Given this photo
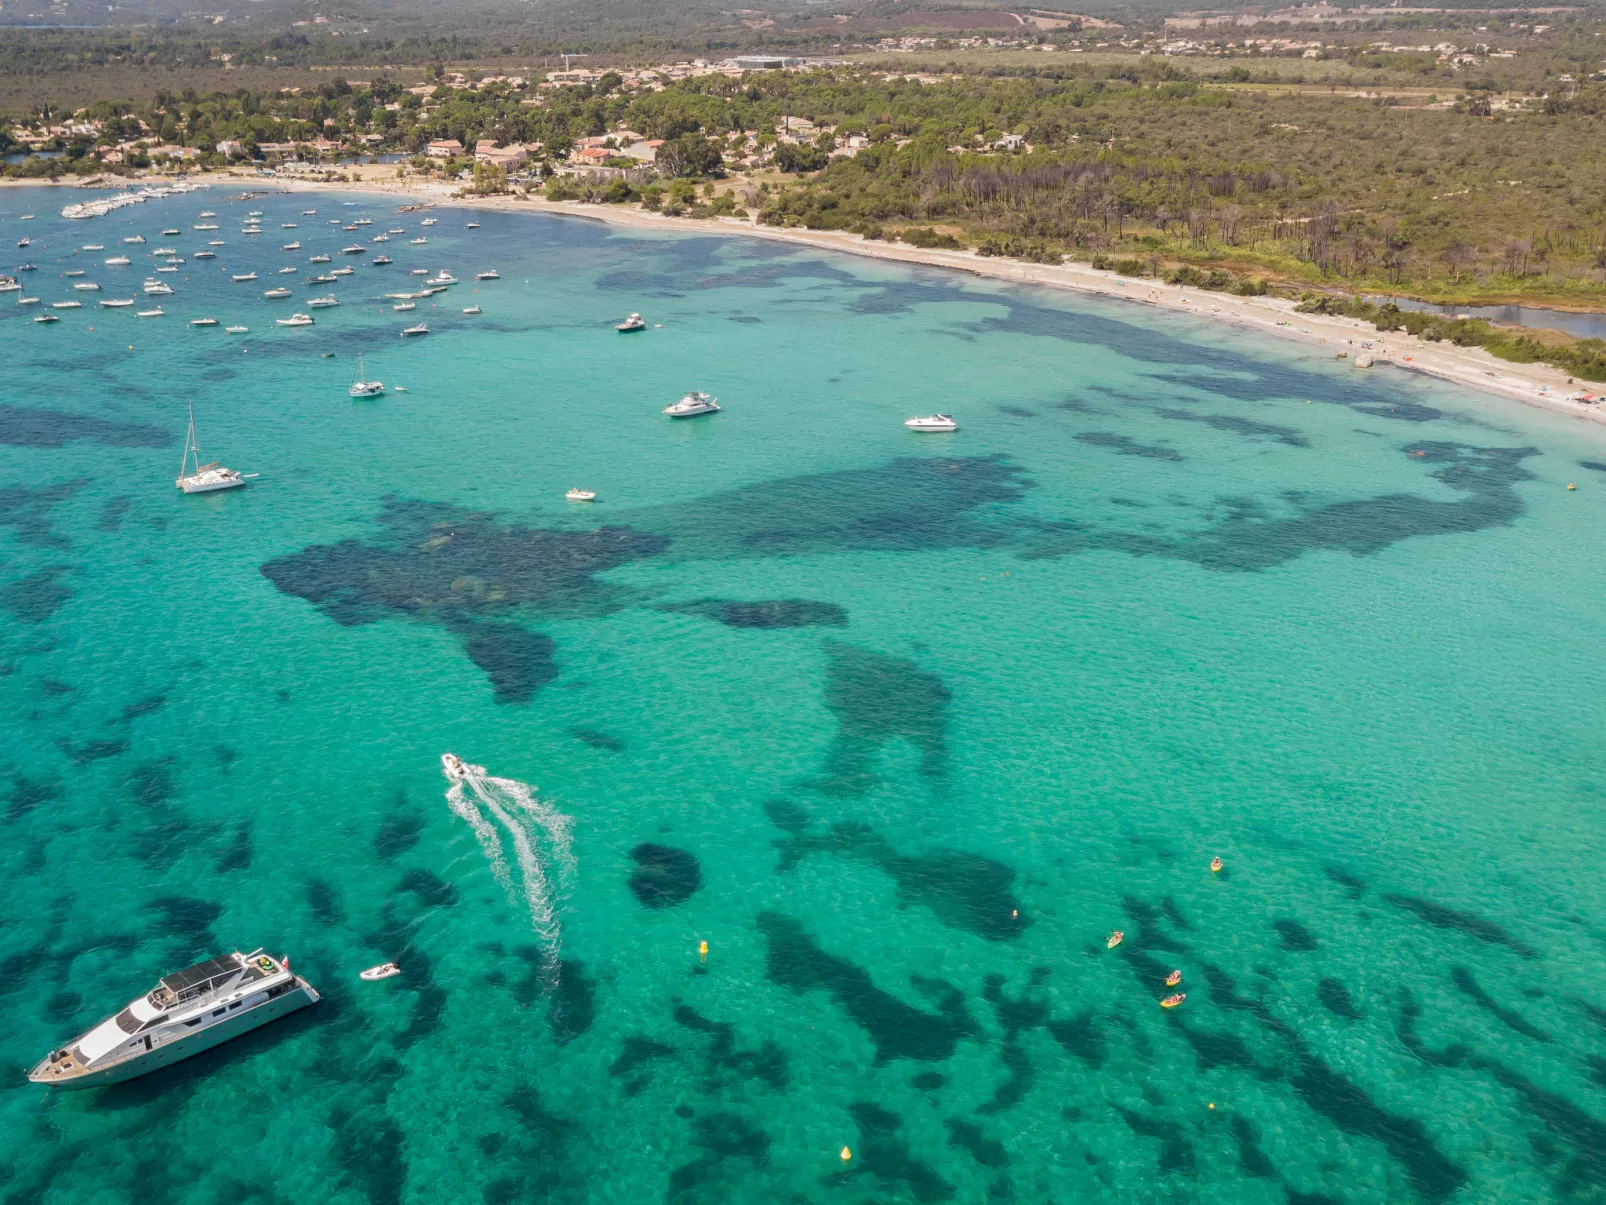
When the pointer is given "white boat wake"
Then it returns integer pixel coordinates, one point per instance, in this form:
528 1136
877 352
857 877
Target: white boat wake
538 833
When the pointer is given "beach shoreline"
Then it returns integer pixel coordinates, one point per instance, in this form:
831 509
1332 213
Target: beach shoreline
1472 367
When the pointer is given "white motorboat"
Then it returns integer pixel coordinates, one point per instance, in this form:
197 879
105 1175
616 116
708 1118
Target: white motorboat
362 388
348 229
471 310
418 272
354 249
343 272
472 226
491 275
74 272
194 1010
380 238
318 259
118 261
165 251
242 277
294 320
92 247
27 301
117 303
319 303
171 233
237 330
578 495
276 294
24 242
442 278
404 307
362 221
87 286
429 221
167 268
287 225
203 321
396 230
632 323
323 278
378 260
10 284
691 405
206 477
255 213
206 213
156 288
421 329
417 242
156 313
288 271
175 261
47 318
66 305
291 247
137 238
206 255
931 423
307 213
217 242
454 767
206 226
383 971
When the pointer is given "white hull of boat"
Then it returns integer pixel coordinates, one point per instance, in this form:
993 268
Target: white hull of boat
183 1047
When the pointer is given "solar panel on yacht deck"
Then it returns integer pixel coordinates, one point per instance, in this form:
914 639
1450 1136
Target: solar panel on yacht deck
200 973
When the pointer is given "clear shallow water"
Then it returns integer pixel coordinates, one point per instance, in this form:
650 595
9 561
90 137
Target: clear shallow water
901 726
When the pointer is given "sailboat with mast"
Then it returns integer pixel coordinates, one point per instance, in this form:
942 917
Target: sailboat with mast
362 388
206 477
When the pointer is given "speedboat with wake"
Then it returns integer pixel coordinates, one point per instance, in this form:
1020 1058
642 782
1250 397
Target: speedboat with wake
453 767
187 1012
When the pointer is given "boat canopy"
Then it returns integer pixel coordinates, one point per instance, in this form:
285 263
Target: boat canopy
202 972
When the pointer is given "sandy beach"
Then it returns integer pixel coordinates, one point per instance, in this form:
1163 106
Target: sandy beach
1534 384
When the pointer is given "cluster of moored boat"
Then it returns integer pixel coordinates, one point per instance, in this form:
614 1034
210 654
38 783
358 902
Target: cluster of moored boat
169 261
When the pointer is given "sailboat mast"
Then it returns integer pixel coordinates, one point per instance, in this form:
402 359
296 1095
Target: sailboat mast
189 445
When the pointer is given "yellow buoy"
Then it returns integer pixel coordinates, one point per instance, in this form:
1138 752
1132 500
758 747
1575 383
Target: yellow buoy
702 950
846 1154
1571 486
1212 1104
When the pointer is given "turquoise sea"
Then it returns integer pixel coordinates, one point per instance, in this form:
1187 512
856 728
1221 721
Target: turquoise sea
901 726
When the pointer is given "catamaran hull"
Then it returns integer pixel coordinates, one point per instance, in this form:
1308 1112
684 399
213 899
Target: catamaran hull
179 1049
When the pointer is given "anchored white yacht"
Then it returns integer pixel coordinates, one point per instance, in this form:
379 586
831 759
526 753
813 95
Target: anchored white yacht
491 275
206 477
633 323
319 303
188 1012
362 388
932 422
692 405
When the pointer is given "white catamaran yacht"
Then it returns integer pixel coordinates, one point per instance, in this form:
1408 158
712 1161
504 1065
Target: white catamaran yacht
206 477
188 1012
362 388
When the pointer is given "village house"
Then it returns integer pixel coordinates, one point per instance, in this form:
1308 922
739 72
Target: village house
445 148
